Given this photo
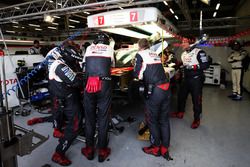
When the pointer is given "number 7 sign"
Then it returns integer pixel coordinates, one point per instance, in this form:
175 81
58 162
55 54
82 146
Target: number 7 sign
133 16
100 20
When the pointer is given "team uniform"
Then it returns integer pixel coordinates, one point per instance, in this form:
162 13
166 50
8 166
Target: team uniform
65 84
148 67
194 62
97 97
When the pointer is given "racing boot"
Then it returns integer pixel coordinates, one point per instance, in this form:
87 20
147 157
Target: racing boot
195 124
34 121
88 152
61 159
179 115
103 153
58 133
153 150
165 153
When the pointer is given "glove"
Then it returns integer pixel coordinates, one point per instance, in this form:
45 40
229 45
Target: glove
93 85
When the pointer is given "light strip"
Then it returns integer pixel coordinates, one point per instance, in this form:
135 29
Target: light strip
176 17
121 7
19 41
165 2
71 26
34 25
86 12
125 32
10 31
38 29
55 24
75 21
51 1
16 7
54 28
16 26
153 28
214 15
171 10
14 22
217 6
58 17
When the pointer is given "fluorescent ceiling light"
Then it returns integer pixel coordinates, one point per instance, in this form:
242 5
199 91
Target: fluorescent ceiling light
23 27
54 28
86 12
165 2
55 24
75 21
10 31
59 4
50 1
120 7
58 17
176 17
125 32
71 26
38 29
153 28
171 10
16 26
48 18
214 15
206 1
217 6
16 7
20 41
15 22
34 25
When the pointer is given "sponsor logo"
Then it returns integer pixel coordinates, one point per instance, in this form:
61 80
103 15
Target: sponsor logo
151 54
99 47
68 73
9 81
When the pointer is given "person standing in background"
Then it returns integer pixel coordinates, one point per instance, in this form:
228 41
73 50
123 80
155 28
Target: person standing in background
35 49
235 59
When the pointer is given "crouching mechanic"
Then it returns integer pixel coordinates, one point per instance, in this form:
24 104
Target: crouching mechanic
194 62
97 96
148 67
65 82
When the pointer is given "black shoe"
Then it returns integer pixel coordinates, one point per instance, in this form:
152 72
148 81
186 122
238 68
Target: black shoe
237 98
232 95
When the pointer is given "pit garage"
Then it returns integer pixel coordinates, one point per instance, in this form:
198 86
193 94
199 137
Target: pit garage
199 48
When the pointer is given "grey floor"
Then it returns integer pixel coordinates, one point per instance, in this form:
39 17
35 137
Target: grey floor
222 140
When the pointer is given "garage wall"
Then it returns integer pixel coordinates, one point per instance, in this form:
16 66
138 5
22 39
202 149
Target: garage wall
220 55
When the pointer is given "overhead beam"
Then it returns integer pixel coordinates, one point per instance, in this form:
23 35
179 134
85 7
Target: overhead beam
38 8
185 10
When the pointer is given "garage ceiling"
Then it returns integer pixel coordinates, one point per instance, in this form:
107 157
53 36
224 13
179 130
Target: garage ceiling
18 16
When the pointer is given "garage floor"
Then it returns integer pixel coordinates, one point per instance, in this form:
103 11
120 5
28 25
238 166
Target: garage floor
222 140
